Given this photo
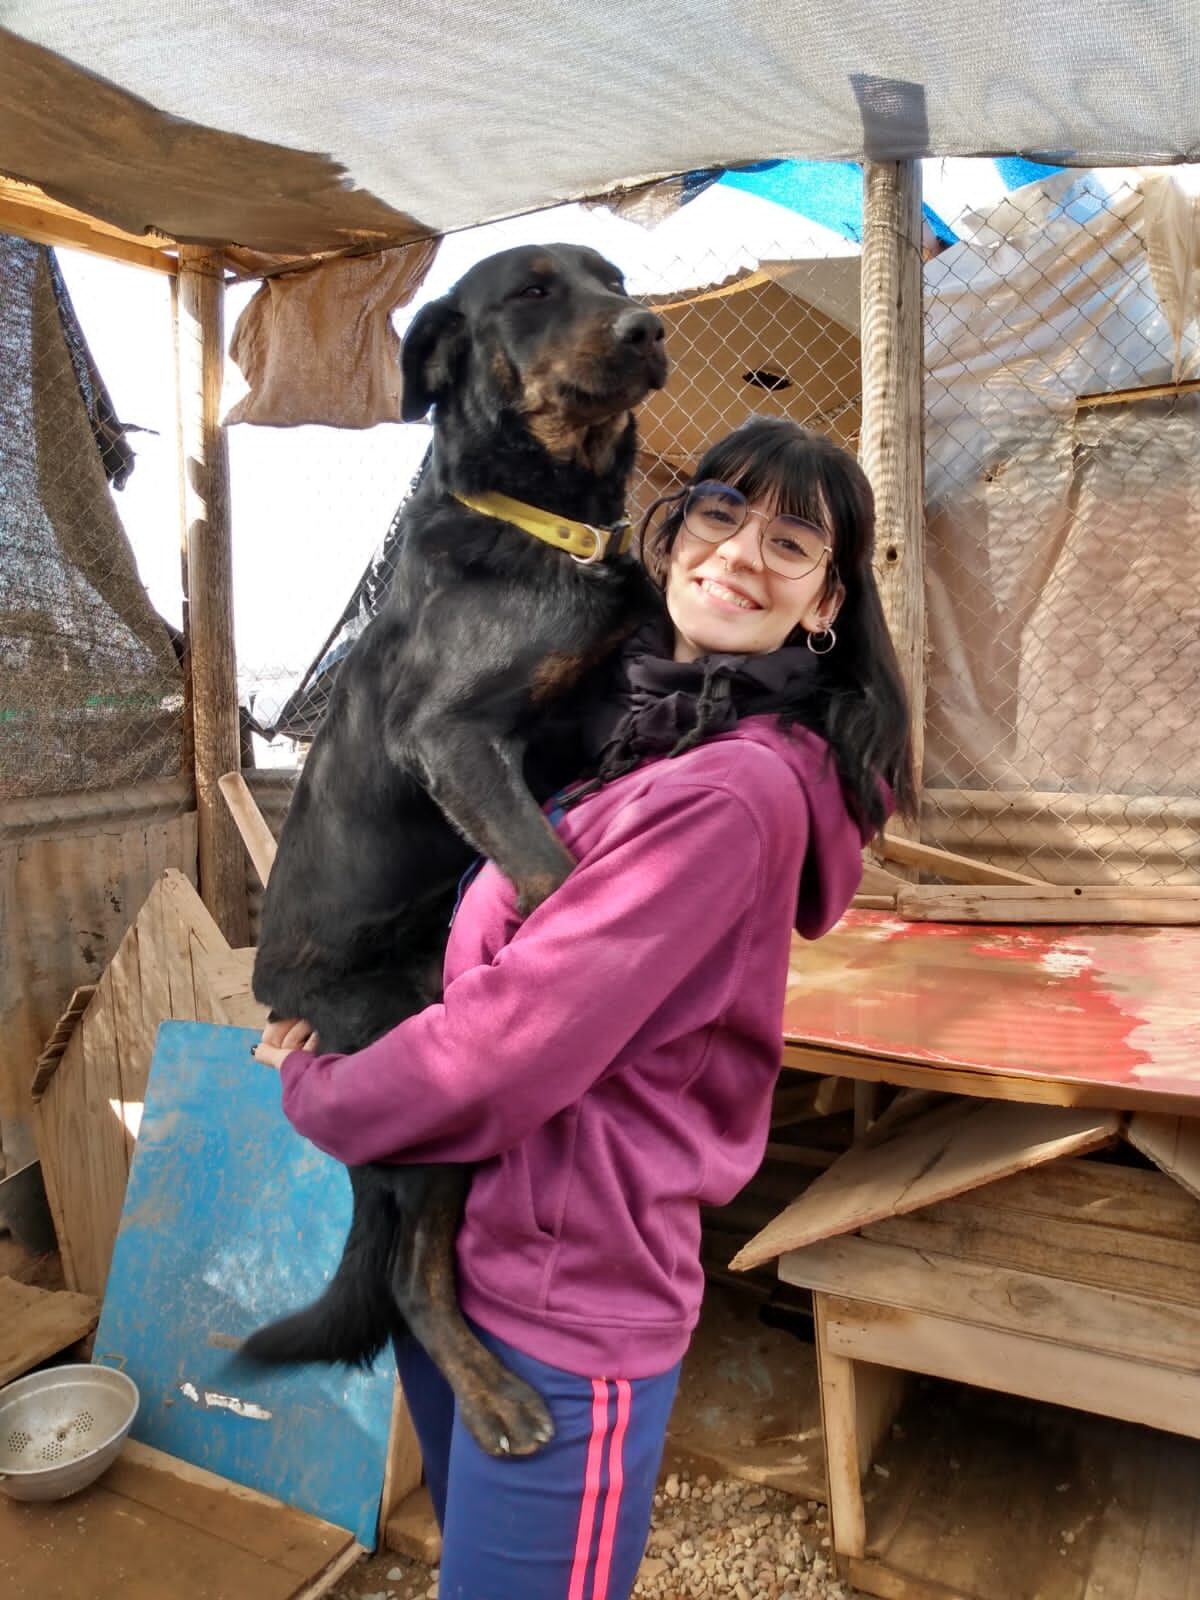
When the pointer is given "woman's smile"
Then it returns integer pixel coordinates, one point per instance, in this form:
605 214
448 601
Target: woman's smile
728 596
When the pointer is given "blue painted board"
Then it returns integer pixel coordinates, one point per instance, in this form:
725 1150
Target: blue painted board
230 1220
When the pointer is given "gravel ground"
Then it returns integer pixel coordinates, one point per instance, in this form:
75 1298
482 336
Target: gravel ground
723 1540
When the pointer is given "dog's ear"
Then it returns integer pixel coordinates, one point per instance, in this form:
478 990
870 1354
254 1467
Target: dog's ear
429 358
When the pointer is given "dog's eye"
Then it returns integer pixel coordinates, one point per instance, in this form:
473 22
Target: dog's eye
534 291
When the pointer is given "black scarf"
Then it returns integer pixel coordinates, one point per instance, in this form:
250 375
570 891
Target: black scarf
652 705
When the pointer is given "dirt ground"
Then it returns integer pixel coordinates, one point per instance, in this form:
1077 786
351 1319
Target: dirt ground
720 1539
747 1404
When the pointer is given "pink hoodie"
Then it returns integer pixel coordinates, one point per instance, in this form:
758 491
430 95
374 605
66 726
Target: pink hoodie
609 1062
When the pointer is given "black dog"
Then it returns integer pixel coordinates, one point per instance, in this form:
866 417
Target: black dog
532 364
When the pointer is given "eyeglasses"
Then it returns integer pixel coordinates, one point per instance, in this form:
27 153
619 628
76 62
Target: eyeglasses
790 547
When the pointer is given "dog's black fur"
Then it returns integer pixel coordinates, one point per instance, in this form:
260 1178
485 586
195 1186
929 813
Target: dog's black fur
533 365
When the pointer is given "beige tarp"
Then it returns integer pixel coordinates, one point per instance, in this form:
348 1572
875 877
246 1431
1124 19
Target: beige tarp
1064 538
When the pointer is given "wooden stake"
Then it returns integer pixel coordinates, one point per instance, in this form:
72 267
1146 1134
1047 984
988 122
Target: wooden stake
213 661
251 824
892 441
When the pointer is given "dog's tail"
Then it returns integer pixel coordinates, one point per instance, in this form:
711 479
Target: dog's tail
352 1321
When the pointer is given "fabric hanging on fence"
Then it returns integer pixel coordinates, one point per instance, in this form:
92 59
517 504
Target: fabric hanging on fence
1063 550
1172 227
91 691
319 347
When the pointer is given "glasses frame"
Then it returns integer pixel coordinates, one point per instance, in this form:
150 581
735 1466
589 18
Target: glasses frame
764 522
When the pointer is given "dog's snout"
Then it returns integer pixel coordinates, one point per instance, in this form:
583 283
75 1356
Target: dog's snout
640 328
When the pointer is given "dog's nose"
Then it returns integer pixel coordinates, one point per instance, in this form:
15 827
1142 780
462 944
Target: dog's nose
640 328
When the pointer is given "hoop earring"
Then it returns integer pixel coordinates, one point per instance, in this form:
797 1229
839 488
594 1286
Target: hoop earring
822 633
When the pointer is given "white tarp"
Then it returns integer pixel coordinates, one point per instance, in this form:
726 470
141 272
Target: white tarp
457 112
1064 540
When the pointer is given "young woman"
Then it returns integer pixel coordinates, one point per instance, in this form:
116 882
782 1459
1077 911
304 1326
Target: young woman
609 1062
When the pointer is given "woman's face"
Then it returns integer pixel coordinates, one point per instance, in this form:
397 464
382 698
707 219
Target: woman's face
721 598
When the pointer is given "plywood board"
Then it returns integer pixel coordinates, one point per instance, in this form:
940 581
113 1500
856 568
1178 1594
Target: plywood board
1027 1303
70 885
36 1324
235 1220
1062 1009
90 1090
943 1153
1173 1144
153 1528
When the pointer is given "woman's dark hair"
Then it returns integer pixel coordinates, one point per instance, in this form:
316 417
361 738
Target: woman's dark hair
864 713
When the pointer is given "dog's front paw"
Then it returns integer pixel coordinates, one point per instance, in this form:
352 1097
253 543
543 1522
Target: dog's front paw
510 1419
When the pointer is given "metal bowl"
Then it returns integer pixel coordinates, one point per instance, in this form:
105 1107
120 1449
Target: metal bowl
59 1429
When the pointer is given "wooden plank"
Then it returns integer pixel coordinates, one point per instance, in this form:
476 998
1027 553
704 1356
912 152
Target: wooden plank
99 1167
403 1468
88 1116
1173 1144
890 444
1102 1192
82 1144
877 879
1070 1314
1084 1252
67 897
152 1532
30 213
877 1578
942 1154
412 1529
843 1463
209 558
983 1083
1048 902
251 824
959 869
228 980
1014 1363
36 1324
254 1522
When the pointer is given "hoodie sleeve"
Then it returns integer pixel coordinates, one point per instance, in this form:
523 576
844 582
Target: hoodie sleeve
512 1043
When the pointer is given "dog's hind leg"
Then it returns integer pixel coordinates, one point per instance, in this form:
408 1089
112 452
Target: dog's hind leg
502 1412
355 1317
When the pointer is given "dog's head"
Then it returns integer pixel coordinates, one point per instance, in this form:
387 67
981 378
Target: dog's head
547 331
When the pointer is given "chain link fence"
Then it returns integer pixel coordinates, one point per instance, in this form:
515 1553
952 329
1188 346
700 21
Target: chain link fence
1063 533
1063 550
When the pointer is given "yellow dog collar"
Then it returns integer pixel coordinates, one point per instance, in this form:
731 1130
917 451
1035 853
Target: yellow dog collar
583 542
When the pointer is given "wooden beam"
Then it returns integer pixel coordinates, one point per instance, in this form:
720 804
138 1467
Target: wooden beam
1172 905
892 440
30 214
251 824
959 869
211 655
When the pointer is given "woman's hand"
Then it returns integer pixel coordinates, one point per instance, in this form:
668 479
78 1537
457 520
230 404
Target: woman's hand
280 1038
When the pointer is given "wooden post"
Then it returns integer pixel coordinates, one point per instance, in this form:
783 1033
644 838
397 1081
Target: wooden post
892 442
209 615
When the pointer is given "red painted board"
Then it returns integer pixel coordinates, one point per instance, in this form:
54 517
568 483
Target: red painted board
1095 1004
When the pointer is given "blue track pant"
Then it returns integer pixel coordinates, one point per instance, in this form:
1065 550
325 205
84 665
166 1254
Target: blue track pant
569 1523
